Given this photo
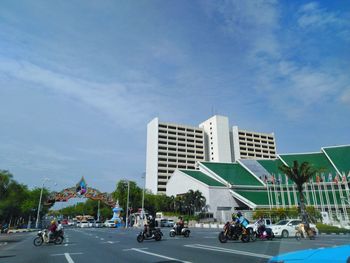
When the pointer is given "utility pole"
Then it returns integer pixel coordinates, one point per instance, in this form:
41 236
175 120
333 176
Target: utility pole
127 207
143 200
98 211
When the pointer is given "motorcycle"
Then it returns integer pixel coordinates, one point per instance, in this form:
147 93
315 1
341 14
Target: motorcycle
56 238
175 231
234 232
262 233
155 234
301 229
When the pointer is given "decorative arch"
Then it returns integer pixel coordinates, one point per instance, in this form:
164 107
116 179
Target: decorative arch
81 190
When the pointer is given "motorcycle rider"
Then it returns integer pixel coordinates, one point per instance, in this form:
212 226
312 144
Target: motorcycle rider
52 229
180 225
261 227
59 226
242 220
150 226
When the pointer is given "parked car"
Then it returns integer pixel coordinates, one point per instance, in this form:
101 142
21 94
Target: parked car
78 224
109 223
166 223
331 254
286 228
98 224
91 223
84 224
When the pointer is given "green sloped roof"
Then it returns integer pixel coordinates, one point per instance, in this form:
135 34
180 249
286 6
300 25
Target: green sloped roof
257 197
272 167
340 156
202 177
233 173
318 160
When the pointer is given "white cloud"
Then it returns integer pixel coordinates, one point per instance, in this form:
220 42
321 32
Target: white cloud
312 16
126 104
290 86
345 98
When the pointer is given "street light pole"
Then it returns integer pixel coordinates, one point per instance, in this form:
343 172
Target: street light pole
143 199
98 211
127 206
39 205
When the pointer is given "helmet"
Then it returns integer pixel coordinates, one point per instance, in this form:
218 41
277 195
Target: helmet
239 214
150 217
53 222
234 216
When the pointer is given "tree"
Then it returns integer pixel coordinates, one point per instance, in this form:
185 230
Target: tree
135 194
300 175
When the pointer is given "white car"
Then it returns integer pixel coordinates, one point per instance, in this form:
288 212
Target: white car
109 223
84 224
286 228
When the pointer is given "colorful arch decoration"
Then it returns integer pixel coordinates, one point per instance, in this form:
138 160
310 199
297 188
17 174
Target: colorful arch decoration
83 191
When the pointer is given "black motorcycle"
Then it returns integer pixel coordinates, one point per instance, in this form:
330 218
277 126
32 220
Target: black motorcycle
234 232
56 238
155 234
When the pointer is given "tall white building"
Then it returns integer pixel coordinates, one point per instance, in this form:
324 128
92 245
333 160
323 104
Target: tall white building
253 145
171 146
217 139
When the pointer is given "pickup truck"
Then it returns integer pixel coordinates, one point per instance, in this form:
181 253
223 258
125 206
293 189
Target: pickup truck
268 223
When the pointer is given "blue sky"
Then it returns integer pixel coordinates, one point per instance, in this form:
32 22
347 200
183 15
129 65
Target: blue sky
80 80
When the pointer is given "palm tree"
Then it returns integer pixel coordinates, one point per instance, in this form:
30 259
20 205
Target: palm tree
300 175
199 200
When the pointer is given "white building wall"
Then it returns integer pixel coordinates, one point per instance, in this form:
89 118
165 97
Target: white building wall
180 183
219 199
235 145
152 155
218 144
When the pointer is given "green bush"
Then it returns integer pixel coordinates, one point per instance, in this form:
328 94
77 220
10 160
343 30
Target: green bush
322 228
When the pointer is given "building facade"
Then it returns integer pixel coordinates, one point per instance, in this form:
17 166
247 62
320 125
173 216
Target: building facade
259 184
253 145
171 146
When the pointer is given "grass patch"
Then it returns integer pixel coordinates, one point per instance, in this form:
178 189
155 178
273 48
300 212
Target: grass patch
322 228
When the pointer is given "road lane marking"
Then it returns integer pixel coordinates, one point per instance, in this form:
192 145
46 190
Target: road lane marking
102 238
68 257
158 255
226 250
75 253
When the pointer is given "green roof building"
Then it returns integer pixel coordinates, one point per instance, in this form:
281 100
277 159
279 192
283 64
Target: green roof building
252 184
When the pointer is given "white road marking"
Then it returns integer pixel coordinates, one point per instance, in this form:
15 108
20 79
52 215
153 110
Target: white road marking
226 250
3 243
96 237
102 238
158 255
66 245
76 253
68 257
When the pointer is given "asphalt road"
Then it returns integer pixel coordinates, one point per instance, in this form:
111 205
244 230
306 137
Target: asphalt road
120 245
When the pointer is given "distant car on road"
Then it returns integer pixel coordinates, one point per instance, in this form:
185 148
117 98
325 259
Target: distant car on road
84 224
166 223
98 224
332 254
109 223
286 228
